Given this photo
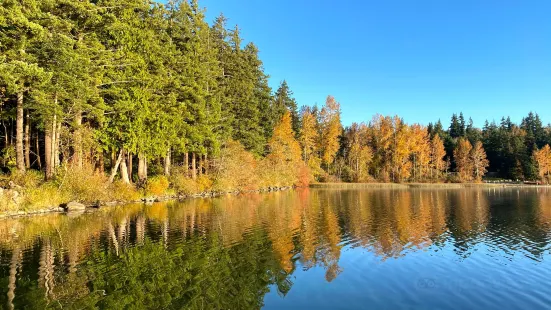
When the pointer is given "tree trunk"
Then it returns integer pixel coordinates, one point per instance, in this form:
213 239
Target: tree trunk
54 137
206 165
19 153
167 163
100 163
6 138
28 141
129 158
48 151
116 167
12 278
201 165
38 152
77 139
142 169
186 164
57 144
124 170
193 167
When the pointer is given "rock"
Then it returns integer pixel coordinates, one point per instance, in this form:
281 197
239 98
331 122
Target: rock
13 185
74 206
149 199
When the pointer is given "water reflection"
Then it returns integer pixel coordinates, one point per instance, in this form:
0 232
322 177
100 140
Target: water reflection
229 252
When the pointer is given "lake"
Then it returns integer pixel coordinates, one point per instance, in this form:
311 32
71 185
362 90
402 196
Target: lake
486 248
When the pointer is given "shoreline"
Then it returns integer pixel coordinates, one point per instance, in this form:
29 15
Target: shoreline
375 185
145 200
152 199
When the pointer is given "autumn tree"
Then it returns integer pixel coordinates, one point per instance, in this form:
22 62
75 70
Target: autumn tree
283 145
479 162
331 128
462 155
358 151
420 152
543 159
437 153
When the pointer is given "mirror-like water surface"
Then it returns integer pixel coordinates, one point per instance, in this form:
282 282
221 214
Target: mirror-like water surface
383 249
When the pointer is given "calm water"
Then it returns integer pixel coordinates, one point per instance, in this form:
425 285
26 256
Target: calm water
379 249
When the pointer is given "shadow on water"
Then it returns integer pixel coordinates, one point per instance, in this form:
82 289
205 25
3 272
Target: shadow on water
232 252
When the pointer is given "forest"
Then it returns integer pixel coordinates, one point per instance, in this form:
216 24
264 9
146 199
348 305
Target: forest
102 99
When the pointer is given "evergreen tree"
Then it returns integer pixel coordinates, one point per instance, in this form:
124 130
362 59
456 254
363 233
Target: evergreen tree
284 101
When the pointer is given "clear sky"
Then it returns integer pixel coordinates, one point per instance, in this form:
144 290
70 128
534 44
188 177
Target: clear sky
420 59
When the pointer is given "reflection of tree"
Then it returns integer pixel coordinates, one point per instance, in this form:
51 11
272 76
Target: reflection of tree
14 265
229 252
470 209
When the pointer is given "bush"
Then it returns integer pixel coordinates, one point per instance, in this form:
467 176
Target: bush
236 169
204 184
31 178
181 184
121 191
82 184
157 185
45 196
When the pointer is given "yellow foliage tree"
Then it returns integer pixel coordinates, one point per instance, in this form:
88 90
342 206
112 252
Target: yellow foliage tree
401 163
283 145
543 158
437 152
360 153
420 149
479 161
283 163
308 134
462 155
331 129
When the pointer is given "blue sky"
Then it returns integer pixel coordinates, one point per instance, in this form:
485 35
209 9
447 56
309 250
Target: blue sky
420 59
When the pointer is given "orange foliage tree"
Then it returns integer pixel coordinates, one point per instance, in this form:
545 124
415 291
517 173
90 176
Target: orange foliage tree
331 129
284 162
437 153
479 161
462 155
543 158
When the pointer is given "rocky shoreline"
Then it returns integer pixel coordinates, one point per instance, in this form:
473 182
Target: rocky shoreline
75 206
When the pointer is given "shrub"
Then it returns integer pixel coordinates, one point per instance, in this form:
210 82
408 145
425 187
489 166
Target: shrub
82 184
121 191
204 184
236 169
304 176
157 185
181 184
31 178
45 196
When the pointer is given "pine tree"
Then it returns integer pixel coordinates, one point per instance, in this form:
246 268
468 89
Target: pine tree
20 75
284 101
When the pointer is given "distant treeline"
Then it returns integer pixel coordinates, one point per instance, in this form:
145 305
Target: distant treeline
395 151
133 87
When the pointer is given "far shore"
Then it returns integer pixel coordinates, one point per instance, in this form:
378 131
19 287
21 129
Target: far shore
375 185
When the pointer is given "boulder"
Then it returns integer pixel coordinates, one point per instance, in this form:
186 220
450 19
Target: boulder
74 206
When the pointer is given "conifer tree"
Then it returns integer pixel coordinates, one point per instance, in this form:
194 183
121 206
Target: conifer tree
284 101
